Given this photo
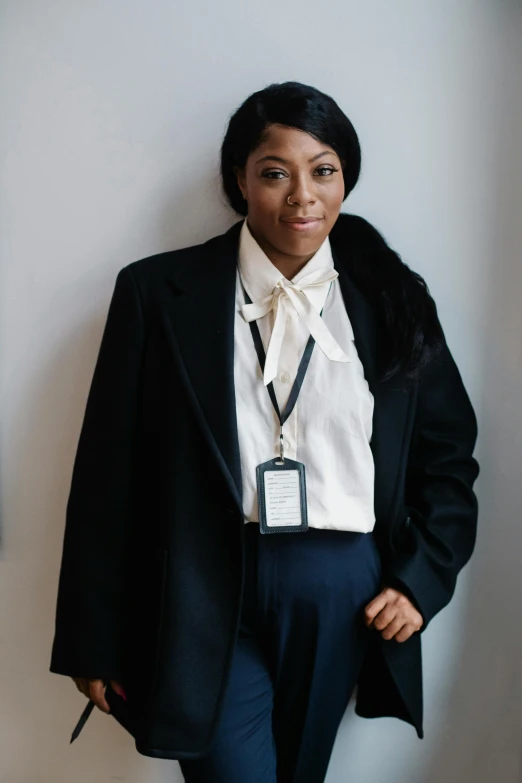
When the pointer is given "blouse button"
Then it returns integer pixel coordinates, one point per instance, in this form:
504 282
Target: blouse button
285 377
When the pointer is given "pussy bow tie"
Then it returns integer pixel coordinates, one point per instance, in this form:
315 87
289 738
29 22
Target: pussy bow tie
284 296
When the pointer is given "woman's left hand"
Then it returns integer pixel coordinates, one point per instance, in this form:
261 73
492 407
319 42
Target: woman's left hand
392 613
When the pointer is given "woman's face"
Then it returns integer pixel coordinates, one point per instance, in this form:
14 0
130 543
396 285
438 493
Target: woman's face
290 175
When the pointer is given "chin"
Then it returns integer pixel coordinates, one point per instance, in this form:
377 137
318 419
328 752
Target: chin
302 247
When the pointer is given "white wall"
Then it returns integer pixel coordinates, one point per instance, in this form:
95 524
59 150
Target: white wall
111 118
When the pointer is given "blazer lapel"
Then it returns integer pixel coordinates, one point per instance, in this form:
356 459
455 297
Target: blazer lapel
198 314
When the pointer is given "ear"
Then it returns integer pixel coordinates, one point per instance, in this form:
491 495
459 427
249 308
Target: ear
241 180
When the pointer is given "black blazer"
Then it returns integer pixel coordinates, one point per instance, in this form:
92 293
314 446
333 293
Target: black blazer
152 569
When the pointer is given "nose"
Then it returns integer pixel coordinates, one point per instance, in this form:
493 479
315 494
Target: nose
301 192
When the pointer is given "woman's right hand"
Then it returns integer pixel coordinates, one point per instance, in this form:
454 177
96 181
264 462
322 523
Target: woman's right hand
95 690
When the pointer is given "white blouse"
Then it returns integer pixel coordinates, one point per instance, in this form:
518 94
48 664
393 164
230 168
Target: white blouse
330 427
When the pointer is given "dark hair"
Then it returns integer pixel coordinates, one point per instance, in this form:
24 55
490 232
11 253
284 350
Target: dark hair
411 332
297 106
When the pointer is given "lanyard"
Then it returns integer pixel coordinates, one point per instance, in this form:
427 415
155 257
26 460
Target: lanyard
301 372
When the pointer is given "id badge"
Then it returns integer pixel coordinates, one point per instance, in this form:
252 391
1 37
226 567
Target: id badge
281 493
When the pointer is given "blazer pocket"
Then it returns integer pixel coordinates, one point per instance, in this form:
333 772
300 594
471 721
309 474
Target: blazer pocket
401 532
406 522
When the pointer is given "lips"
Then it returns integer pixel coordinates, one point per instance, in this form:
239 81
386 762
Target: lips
309 219
303 224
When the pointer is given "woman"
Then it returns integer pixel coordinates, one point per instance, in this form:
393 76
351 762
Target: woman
257 524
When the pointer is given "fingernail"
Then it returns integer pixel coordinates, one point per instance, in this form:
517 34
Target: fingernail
123 695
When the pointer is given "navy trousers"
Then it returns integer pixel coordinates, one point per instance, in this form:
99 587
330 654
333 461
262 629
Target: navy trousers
299 651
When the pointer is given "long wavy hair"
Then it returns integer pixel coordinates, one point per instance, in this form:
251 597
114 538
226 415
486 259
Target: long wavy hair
411 332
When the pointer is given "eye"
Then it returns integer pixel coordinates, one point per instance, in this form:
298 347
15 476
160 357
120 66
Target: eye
269 173
327 169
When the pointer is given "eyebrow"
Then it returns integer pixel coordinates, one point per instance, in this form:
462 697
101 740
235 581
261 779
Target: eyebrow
282 160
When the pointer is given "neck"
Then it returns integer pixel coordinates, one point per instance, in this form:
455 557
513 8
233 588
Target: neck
289 267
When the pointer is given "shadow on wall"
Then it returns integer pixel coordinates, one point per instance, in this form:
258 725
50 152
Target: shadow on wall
482 741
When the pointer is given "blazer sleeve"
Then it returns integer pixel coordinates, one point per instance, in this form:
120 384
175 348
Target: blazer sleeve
439 497
89 617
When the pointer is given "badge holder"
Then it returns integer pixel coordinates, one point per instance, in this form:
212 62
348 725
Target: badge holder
281 493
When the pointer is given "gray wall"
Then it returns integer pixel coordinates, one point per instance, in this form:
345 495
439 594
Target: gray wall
111 118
